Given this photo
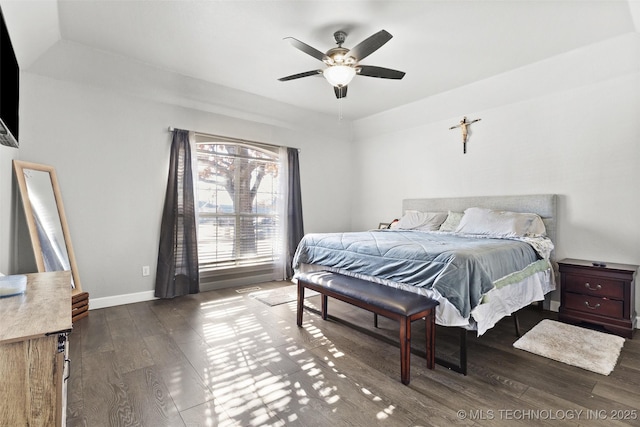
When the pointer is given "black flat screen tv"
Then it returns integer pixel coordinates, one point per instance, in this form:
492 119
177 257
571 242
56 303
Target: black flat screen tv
9 89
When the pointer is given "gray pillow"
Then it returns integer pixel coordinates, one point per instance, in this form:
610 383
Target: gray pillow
500 223
427 221
452 221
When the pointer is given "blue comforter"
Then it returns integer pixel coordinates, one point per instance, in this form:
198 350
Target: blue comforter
462 269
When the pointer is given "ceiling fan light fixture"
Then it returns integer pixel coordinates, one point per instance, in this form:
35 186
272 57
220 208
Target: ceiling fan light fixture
339 75
343 64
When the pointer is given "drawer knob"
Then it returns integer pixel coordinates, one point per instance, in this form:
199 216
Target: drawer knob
588 286
592 307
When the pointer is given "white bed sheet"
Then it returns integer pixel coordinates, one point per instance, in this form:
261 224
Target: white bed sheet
497 303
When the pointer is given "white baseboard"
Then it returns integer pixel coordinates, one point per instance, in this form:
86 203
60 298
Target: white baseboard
104 302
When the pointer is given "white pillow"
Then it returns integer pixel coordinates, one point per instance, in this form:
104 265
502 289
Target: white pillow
426 221
452 221
500 223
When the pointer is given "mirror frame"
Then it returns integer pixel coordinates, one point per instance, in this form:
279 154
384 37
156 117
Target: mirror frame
19 167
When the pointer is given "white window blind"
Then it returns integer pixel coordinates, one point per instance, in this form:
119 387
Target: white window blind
238 203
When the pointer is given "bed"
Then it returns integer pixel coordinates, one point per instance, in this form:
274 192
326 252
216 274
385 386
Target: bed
478 277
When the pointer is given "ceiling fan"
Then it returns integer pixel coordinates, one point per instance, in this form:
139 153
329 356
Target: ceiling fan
344 64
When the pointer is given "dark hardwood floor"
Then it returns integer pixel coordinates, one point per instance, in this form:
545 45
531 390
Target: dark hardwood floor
223 358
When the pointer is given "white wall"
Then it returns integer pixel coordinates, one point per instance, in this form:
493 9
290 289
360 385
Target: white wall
111 153
568 125
7 210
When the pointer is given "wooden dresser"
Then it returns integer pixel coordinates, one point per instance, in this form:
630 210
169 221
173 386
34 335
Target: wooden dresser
33 347
600 294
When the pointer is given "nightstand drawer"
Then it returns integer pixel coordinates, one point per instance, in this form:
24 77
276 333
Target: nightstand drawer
594 305
596 286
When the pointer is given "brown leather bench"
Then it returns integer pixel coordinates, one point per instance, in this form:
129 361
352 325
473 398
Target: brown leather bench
380 299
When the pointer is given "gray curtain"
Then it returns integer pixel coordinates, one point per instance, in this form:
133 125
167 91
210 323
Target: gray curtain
295 227
177 272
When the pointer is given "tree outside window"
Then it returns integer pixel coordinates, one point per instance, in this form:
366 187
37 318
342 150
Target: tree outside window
238 197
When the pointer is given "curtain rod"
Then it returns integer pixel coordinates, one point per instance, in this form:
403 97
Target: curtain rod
227 138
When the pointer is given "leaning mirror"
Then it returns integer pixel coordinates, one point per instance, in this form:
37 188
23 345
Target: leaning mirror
46 220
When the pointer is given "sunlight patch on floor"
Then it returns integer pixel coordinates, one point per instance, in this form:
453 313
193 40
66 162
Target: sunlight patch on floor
250 366
384 414
214 332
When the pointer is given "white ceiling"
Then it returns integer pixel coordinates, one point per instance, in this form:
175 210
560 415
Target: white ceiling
441 45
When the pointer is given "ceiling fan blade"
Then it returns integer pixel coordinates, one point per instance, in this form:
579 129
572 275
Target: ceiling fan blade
341 92
300 75
370 45
307 49
380 72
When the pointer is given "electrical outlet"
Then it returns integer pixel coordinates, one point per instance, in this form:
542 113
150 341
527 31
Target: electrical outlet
145 270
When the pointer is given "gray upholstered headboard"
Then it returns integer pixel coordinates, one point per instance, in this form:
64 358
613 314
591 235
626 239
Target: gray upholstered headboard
541 204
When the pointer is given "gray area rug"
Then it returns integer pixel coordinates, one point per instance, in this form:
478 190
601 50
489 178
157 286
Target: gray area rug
282 295
587 349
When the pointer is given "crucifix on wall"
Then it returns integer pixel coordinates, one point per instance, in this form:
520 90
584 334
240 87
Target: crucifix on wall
465 133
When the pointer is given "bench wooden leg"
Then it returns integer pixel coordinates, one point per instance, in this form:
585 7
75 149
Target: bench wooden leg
431 339
300 302
405 350
375 320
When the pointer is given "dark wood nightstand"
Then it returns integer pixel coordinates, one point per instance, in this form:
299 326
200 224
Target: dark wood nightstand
602 295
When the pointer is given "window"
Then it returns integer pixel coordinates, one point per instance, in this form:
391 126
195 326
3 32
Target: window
239 200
